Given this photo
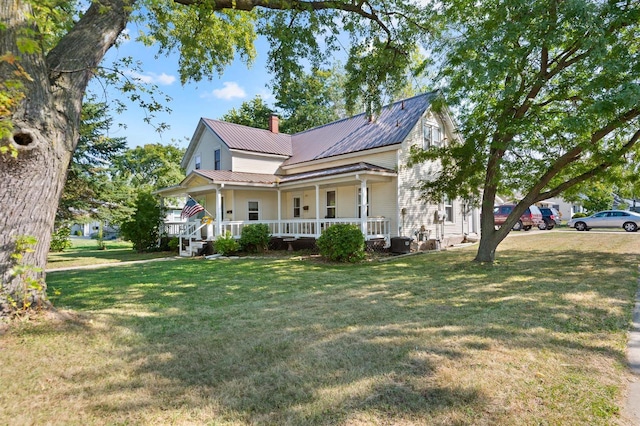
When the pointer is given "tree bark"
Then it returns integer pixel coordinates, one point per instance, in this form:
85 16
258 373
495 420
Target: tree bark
45 131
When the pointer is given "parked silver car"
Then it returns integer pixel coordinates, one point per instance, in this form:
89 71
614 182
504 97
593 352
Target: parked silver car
627 220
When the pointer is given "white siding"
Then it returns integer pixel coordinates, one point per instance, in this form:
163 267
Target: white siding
383 202
416 212
385 159
268 201
205 147
307 199
246 162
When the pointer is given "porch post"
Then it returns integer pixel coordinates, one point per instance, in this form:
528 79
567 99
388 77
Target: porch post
219 210
317 210
363 206
279 213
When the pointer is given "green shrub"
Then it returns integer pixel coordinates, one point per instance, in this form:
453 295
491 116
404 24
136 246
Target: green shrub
255 237
60 240
226 244
342 243
143 228
578 215
173 243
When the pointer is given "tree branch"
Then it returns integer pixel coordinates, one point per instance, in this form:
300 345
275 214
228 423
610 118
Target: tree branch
589 173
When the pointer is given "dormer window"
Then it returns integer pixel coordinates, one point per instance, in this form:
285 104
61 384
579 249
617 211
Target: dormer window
198 161
431 135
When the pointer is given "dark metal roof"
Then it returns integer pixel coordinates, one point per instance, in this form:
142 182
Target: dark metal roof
359 133
246 138
240 177
333 171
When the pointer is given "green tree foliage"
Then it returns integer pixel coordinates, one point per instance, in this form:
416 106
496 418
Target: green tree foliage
254 113
144 227
311 100
151 166
89 188
547 95
60 240
342 243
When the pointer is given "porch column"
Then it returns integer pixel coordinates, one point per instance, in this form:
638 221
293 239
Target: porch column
363 206
219 209
279 213
317 210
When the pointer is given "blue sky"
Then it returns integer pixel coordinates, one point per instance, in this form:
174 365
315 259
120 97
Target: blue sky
210 99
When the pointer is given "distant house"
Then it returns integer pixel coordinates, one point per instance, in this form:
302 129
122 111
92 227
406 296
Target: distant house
350 171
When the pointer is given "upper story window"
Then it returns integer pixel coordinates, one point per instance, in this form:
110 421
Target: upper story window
198 161
431 135
216 160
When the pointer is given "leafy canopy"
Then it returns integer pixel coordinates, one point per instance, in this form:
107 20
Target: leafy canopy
547 93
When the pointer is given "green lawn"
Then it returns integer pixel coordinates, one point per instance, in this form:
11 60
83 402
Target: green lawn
86 252
537 338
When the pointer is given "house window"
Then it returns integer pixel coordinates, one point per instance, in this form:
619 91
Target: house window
253 210
296 206
216 160
359 202
431 135
331 205
448 209
198 162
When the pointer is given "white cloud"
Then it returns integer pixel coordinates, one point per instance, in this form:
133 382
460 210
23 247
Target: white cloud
230 91
153 78
266 95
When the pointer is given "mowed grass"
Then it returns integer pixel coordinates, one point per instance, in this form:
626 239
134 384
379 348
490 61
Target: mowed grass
86 252
538 338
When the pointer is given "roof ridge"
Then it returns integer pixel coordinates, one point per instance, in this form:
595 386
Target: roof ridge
387 106
244 126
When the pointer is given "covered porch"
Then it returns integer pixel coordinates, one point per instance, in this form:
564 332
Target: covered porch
293 207
195 234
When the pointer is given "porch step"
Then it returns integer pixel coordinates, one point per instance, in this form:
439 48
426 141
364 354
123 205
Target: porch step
192 249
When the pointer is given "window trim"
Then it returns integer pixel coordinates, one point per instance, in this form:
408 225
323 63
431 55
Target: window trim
249 211
197 161
217 159
297 208
335 205
432 142
447 205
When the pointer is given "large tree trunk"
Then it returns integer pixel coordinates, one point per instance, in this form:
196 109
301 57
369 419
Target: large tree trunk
45 131
490 237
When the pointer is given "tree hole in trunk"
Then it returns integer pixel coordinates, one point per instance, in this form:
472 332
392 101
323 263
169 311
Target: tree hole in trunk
23 139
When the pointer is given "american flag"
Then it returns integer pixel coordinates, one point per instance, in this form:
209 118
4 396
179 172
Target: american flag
191 208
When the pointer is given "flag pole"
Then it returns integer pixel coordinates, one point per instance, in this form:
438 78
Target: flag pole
207 212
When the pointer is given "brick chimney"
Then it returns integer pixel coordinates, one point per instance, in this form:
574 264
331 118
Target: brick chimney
273 123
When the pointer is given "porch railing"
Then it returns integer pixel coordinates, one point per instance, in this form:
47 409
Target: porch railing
288 228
